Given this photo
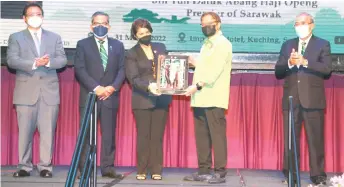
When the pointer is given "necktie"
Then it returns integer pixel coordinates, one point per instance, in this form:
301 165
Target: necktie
37 43
303 48
103 55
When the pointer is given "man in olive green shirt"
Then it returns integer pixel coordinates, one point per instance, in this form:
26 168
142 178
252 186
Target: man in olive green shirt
209 99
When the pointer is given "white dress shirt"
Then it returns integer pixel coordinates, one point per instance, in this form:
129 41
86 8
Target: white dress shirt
300 49
39 36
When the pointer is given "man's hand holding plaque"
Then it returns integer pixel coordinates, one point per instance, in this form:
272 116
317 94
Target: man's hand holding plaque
191 90
192 61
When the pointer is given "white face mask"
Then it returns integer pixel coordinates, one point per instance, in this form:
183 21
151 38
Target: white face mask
35 21
302 31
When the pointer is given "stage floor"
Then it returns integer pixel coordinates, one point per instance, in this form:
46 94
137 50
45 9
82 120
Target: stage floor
171 177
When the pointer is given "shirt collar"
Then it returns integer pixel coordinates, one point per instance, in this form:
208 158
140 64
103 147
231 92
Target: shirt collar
105 40
300 41
39 31
212 39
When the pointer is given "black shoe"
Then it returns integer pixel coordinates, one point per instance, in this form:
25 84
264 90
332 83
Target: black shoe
46 174
286 181
197 177
319 180
78 175
21 173
217 179
113 175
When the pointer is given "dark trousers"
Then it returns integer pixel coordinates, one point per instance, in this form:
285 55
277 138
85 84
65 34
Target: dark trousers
108 118
314 126
150 125
210 132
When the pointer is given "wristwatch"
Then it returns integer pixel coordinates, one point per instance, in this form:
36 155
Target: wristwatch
306 62
199 87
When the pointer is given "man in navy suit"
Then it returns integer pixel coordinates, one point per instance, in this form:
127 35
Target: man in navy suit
304 63
99 67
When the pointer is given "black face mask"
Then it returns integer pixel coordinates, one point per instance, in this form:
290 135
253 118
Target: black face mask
146 40
209 30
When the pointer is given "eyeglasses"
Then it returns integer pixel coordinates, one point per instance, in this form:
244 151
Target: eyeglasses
97 24
302 23
34 14
208 24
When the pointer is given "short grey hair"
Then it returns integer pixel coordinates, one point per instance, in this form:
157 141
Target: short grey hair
100 13
306 14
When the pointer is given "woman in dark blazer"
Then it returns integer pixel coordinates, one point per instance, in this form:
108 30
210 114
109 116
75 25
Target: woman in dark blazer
150 109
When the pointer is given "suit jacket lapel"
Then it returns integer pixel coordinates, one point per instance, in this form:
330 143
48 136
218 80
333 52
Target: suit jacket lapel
30 41
309 46
43 43
156 58
155 53
110 54
295 45
140 53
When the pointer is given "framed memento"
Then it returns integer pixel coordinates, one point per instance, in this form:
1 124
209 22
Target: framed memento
172 74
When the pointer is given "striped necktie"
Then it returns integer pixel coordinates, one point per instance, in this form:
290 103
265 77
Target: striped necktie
303 48
37 43
103 55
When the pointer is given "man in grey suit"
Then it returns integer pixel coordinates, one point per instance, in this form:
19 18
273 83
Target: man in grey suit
35 54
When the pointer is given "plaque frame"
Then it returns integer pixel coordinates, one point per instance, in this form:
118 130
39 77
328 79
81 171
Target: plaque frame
174 83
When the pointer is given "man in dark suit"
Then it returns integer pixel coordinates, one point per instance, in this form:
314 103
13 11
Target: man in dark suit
304 63
36 54
99 67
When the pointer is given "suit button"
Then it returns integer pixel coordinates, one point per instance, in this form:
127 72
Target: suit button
298 81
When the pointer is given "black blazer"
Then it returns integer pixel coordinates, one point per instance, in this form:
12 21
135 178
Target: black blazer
306 85
90 73
139 73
